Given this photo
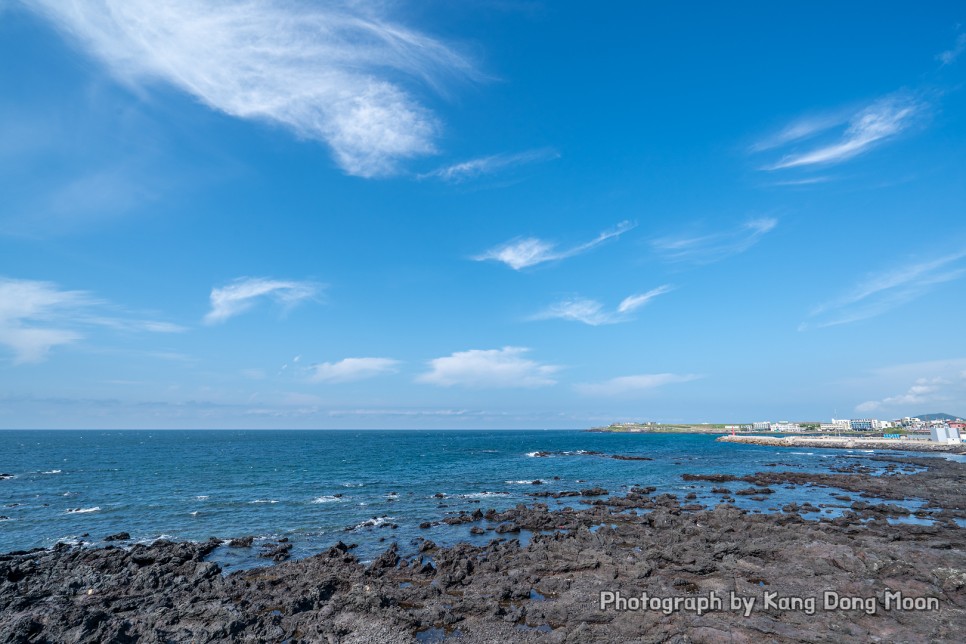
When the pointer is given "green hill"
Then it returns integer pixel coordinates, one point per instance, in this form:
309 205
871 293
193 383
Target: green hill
946 417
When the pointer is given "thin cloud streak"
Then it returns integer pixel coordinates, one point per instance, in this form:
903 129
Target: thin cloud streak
630 385
36 317
592 312
352 369
245 292
949 56
489 368
886 290
707 249
326 73
884 119
475 168
523 253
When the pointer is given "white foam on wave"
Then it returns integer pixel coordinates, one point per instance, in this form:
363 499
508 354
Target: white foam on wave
264 501
326 499
526 482
201 497
483 495
83 510
804 453
52 472
532 454
194 514
164 537
374 522
353 484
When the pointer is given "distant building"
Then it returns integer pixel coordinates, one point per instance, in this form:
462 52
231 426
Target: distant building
862 424
945 435
785 426
761 427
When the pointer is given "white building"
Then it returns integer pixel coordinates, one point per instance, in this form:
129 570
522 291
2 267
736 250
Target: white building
763 426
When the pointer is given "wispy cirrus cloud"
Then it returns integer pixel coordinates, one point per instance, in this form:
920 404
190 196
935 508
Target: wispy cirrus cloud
949 56
352 369
37 316
493 164
530 251
713 247
593 313
489 368
865 128
631 385
245 292
331 73
883 291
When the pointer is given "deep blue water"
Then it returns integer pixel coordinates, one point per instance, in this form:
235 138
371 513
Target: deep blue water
311 486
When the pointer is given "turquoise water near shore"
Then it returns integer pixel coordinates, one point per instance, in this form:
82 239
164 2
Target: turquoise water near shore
318 487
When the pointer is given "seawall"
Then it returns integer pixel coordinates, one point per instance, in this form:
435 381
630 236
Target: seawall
842 442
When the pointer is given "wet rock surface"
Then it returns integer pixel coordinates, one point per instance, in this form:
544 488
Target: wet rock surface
546 591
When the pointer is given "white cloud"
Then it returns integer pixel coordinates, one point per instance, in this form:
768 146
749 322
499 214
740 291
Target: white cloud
882 120
706 249
881 292
945 386
530 251
799 130
923 391
37 316
629 385
473 168
352 369
593 313
244 292
328 73
634 302
489 368
949 56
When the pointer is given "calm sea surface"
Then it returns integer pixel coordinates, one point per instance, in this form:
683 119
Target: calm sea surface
317 487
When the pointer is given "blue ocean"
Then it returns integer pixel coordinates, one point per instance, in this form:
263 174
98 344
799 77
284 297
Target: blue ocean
318 487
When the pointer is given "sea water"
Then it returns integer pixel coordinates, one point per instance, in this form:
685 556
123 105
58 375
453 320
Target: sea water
318 487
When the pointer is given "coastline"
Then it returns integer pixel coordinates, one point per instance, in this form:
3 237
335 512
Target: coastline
548 589
836 442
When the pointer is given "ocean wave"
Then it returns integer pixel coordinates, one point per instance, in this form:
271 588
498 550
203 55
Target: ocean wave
353 484
52 472
264 501
83 510
201 497
483 495
327 499
526 482
194 514
374 522
532 454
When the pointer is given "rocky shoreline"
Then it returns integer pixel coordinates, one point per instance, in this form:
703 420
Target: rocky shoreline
842 442
549 590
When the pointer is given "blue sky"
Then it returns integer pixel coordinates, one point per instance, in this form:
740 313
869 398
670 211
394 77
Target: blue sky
479 214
